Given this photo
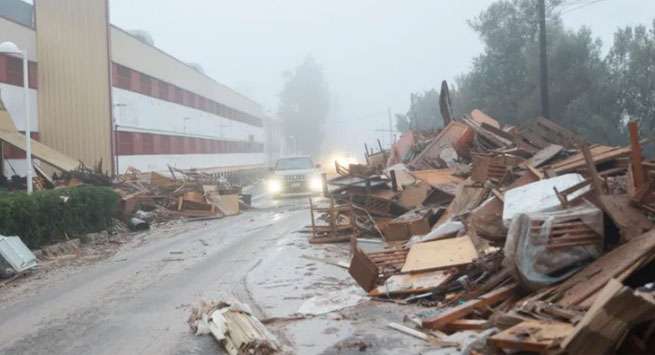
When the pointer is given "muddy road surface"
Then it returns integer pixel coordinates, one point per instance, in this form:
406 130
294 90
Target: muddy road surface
137 301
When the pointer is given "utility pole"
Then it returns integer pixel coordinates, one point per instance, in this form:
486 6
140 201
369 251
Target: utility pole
545 105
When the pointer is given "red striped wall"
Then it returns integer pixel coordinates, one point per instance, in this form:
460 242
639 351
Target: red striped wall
132 80
11 71
137 143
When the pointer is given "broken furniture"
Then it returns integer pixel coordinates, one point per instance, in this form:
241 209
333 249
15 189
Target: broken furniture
339 225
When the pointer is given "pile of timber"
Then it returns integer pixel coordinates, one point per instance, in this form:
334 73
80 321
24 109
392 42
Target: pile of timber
185 193
530 233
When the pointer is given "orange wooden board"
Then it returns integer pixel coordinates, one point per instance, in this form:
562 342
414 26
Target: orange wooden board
440 254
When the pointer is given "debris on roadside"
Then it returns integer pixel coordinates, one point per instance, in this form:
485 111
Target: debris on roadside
528 235
15 256
234 327
153 197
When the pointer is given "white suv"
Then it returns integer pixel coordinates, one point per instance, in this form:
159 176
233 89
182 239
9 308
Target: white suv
295 176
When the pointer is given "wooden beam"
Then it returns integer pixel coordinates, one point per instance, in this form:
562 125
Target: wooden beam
450 315
635 154
596 183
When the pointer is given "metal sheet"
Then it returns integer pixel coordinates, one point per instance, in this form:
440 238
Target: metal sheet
16 254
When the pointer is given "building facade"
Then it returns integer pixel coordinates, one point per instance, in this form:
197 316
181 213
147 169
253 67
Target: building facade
104 94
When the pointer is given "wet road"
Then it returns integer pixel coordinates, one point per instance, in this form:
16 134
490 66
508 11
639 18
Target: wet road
138 300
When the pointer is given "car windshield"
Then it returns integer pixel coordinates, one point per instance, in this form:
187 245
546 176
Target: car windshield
294 163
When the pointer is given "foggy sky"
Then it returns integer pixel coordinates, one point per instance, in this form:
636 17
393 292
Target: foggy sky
374 53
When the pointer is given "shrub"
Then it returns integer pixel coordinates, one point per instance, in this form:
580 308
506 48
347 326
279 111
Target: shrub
48 216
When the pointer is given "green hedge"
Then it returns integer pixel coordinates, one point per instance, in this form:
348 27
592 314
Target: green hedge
47 216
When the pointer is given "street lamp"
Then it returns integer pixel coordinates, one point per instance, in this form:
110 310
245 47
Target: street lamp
12 49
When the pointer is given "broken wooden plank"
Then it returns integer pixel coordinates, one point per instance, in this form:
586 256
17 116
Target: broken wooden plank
636 159
403 284
544 155
618 263
440 179
363 270
630 220
614 311
532 335
591 170
467 324
440 254
449 315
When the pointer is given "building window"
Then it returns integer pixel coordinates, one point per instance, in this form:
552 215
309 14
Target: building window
147 144
164 145
124 77
145 84
179 96
125 143
14 71
163 90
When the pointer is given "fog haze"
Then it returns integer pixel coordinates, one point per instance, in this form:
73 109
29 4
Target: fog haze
374 53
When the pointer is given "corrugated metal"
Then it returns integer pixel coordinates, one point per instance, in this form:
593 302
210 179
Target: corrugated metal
132 53
16 254
74 86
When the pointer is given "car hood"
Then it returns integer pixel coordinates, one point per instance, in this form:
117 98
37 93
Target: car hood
296 172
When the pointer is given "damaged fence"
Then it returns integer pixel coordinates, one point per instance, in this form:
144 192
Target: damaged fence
528 234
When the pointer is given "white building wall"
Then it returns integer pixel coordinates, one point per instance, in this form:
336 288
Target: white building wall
186 161
12 96
142 113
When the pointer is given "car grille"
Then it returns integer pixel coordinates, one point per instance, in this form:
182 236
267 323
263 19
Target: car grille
294 178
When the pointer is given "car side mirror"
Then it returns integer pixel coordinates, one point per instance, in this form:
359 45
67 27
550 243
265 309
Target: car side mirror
318 166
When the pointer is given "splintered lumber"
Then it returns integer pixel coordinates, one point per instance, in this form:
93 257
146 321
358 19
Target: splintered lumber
440 179
614 311
409 331
415 222
490 166
630 220
450 315
635 155
599 153
402 284
440 254
618 263
544 155
532 335
243 333
363 270
455 135
591 170
467 324
413 196
542 132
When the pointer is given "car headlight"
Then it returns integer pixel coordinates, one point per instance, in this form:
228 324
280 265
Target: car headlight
316 183
274 186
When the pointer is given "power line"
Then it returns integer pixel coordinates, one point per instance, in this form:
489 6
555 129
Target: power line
574 5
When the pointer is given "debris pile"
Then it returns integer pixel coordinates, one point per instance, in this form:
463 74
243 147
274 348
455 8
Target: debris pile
528 235
148 197
234 327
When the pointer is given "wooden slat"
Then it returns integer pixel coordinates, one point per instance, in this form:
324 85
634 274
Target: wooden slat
440 254
458 312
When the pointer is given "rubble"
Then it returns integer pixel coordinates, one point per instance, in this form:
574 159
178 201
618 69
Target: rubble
187 194
234 327
527 236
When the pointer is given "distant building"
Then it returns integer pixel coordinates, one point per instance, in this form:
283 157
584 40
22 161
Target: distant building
105 94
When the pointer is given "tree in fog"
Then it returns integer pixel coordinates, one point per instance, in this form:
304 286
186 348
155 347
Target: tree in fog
632 65
304 106
423 113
